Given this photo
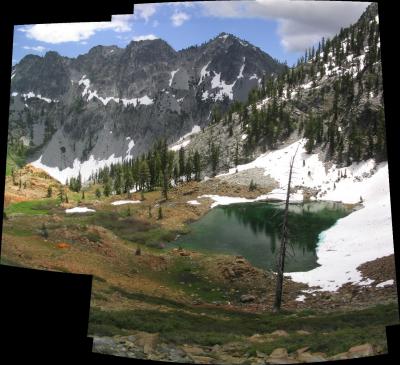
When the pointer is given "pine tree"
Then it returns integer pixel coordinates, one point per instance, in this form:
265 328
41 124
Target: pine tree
61 194
118 184
44 231
164 158
144 175
98 193
107 189
182 163
160 213
176 174
49 191
189 168
214 158
197 166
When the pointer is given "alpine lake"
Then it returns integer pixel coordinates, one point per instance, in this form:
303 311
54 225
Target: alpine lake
253 230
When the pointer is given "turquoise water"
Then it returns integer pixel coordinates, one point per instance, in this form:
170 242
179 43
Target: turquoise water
253 230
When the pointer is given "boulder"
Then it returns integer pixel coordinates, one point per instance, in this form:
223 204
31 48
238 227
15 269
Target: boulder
193 350
301 350
363 350
302 332
280 352
247 298
202 359
148 341
311 357
341 356
280 333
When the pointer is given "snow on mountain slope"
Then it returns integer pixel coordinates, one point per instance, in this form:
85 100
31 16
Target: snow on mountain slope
144 100
86 168
184 140
336 184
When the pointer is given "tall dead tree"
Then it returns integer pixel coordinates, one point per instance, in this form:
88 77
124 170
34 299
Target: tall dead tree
284 240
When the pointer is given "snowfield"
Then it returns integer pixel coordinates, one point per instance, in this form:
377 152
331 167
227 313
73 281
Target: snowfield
364 235
86 168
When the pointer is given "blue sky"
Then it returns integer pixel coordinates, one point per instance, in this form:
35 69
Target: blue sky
282 28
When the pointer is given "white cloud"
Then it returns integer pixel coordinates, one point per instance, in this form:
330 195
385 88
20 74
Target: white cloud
300 23
145 37
178 18
144 11
75 32
39 49
183 4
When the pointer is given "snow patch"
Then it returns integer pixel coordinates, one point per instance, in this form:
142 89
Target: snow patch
130 146
224 89
177 147
144 100
385 283
79 210
300 298
240 76
122 202
225 200
172 76
193 202
31 95
204 73
185 140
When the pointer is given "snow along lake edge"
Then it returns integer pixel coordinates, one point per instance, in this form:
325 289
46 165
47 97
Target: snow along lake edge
362 236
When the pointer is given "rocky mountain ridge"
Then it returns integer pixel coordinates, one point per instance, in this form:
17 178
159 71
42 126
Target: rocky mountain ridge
113 103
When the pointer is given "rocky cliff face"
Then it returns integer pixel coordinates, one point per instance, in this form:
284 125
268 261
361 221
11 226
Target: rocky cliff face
111 103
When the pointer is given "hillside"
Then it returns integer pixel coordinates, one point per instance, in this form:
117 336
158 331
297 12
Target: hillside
333 97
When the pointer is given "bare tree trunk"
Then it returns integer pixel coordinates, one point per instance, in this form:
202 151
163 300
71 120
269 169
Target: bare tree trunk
282 250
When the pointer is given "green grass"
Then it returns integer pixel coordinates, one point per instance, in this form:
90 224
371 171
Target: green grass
184 275
330 332
33 207
17 230
132 229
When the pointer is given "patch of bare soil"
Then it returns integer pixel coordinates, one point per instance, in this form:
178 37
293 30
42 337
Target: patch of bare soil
29 183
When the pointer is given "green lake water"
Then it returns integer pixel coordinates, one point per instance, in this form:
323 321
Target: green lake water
253 230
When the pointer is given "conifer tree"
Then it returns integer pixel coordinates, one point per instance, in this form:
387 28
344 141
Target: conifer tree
197 165
182 163
107 189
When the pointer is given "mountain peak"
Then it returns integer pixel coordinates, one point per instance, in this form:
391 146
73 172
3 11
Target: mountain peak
224 36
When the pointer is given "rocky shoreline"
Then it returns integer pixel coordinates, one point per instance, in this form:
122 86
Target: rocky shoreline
141 345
